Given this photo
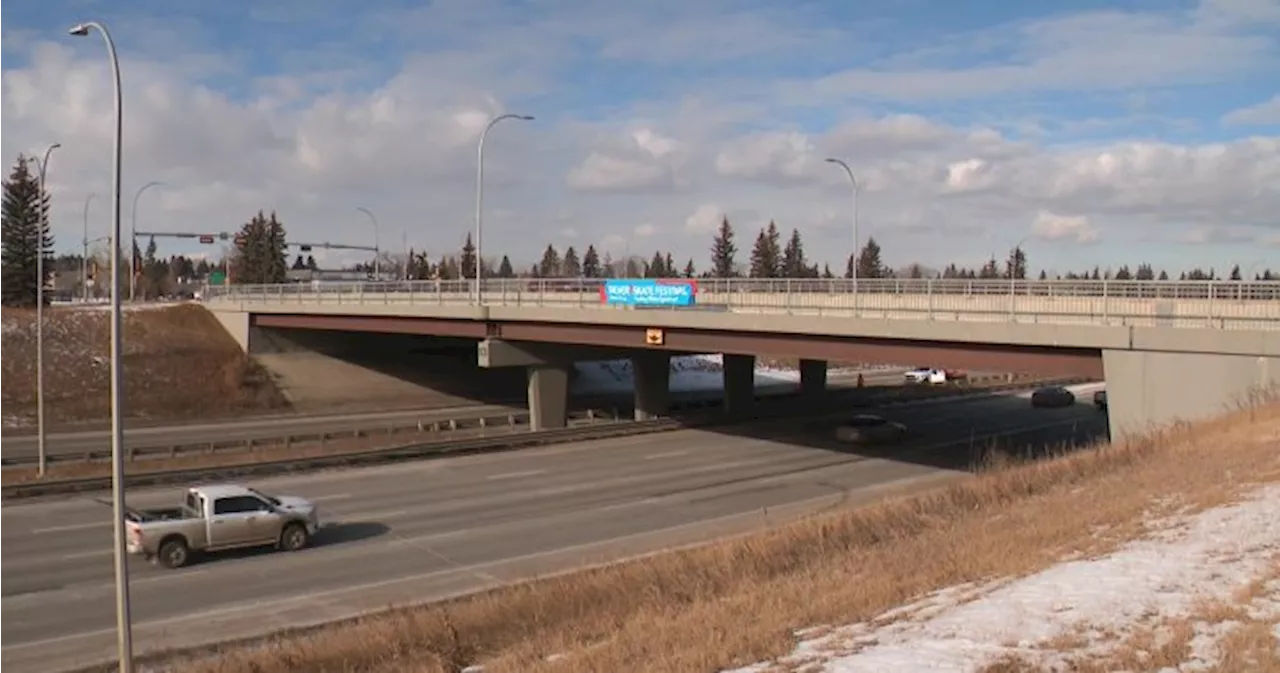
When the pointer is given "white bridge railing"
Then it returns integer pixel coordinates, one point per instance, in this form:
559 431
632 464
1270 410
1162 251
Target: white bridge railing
1212 304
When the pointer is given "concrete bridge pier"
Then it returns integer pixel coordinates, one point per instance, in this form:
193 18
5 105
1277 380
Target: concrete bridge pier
813 378
651 371
1149 389
739 383
548 396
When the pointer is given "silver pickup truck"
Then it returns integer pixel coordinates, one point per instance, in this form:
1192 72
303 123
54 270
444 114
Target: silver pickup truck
218 517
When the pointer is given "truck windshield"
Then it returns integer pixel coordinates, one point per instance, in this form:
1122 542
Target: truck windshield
264 496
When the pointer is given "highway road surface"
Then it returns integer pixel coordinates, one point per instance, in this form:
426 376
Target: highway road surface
256 428
422 531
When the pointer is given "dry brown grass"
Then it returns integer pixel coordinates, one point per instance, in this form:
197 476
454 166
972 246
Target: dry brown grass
179 362
739 601
234 458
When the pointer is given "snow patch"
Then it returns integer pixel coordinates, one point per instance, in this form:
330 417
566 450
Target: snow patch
1203 556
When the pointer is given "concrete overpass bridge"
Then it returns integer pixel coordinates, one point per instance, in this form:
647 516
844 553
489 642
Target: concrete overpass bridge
1168 350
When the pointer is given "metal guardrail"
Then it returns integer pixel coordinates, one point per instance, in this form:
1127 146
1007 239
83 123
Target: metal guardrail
420 450
1220 304
435 426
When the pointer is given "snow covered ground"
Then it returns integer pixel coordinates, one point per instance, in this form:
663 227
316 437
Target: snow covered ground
692 373
1081 610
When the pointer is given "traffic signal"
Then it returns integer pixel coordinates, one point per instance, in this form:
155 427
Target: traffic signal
206 238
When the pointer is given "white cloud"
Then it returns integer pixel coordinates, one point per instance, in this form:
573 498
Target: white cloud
1265 113
705 219
1051 227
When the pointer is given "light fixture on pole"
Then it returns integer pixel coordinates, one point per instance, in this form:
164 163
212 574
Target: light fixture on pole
480 194
377 248
40 314
124 627
853 261
133 239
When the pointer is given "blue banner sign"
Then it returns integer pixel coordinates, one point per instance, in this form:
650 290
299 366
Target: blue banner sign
649 292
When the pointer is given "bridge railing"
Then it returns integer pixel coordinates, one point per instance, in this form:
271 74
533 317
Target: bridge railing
1220 304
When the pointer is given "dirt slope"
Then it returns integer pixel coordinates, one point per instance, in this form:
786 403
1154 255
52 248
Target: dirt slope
178 363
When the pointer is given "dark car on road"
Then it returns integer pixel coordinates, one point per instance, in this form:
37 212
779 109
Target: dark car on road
1053 396
1100 400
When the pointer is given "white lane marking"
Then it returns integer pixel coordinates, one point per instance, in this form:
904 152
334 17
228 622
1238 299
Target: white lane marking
69 527
515 475
85 554
348 518
668 454
335 496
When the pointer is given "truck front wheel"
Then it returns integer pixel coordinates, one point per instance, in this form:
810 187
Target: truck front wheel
174 553
294 537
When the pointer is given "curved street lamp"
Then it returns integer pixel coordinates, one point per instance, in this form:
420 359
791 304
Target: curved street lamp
853 263
124 630
480 194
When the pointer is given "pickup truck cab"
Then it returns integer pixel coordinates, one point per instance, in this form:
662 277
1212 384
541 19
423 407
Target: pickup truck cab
217 517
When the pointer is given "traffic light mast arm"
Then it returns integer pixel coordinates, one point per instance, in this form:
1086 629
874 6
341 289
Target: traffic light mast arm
307 247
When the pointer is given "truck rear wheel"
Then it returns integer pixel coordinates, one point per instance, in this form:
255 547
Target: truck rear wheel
173 553
294 537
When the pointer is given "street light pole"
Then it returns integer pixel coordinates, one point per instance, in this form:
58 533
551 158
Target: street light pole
480 194
377 248
853 261
124 627
40 238
84 258
133 240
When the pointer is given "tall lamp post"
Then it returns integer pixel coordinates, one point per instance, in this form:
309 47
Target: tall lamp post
854 259
480 194
133 239
40 314
377 248
84 257
124 627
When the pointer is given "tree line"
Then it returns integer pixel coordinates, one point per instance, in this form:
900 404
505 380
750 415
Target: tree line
259 255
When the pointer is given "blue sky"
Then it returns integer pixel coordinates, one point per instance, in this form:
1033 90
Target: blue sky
1097 133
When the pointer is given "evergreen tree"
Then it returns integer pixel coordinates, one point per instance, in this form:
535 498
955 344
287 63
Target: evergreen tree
504 268
793 261
25 235
766 255
689 271
1016 266
591 263
723 251
311 263
570 267
467 262
990 270
550 265
260 255
657 266
299 264
1043 275
915 271
1123 273
1235 273
669 267
1145 272
632 268
870 263
1164 275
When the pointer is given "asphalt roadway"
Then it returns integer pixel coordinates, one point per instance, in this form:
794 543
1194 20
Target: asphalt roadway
71 443
429 530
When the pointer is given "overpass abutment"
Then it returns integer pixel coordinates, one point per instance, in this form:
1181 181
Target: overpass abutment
651 373
1148 390
739 383
813 378
548 396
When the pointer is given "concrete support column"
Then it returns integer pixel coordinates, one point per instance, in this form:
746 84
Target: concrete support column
1148 390
651 371
813 378
739 383
548 396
